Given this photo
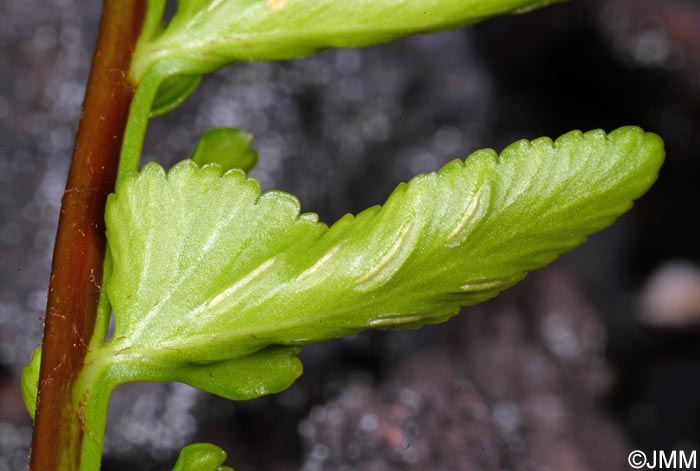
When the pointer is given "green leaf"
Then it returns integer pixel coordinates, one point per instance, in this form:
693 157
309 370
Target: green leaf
268 371
172 92
228 147
201 457
29 380
206 269
206 34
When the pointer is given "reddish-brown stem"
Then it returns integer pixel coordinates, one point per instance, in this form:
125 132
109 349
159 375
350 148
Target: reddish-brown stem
79 252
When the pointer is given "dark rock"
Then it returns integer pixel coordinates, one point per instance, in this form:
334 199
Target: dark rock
513 384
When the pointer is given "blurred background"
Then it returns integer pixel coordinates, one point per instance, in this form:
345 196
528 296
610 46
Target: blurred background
583 362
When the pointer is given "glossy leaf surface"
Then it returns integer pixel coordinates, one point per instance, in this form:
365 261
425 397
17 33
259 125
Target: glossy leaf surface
206 269
173 91
29 381
229 147
201 457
